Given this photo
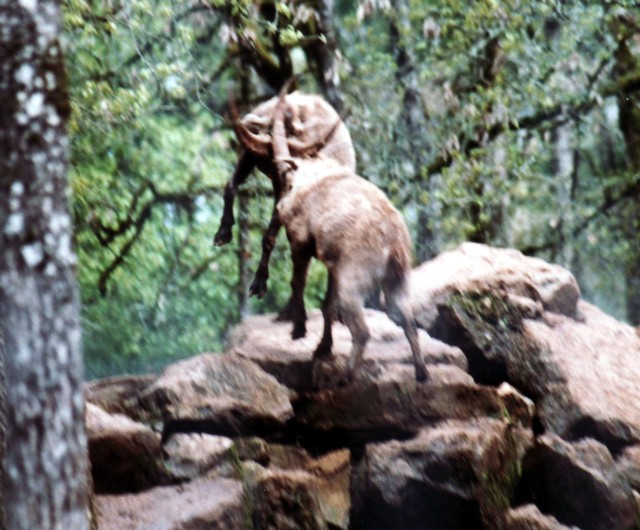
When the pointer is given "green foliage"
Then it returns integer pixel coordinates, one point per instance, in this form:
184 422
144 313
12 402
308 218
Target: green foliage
456 110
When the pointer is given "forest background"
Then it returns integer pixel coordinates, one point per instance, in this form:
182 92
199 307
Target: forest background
513 123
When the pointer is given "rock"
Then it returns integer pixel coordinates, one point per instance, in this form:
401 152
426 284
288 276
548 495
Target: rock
118 395
269 344
515 402
253 448
218 394
529 396
392 403
125 456
628 465
281 500
204 504
595 390
306 494
578 484
188 456
454 475
582 373
529 517
532 283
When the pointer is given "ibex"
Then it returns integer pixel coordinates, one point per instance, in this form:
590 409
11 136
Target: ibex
350 225
315 130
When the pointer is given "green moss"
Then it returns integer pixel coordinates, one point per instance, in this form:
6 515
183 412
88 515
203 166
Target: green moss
499 487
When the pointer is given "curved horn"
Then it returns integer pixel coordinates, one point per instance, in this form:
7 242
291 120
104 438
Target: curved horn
279 139
258 144
311 147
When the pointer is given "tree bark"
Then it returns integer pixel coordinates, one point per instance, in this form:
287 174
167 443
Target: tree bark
563 164
414 120
629 117
324 54
45 462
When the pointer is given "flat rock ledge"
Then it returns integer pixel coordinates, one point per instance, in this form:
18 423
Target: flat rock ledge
530 418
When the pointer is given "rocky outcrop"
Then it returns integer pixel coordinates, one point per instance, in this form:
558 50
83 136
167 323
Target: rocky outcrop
453 475
530 417
267 343
578 483
525 325
219 394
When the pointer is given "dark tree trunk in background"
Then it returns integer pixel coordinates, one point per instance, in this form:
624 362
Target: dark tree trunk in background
324 55
629 116
242 202
3 434
564 170
486 213
243 256
45 461
415 126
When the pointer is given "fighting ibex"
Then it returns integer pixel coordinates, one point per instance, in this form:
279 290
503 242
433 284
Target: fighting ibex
350 225
315 130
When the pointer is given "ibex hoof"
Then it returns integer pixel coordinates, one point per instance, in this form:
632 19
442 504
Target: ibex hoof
223 236
323 351
421 374
346 379
258 287
299 331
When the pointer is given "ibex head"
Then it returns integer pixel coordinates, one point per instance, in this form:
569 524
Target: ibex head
312 128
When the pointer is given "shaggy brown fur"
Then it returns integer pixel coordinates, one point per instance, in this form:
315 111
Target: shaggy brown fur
350 225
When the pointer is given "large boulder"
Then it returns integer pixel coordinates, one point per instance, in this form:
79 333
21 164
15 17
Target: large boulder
125 456
299 492
119 394
578 484
519 320
268 343
384 398
474 267
454 475
203 504
217 394
391 403
595 390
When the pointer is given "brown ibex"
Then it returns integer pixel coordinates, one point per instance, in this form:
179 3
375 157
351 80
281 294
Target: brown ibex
350 225
315 130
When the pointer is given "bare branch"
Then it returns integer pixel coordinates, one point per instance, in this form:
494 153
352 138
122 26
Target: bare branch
627 84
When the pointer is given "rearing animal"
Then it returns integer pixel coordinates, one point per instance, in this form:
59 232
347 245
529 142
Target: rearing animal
350 225
315 131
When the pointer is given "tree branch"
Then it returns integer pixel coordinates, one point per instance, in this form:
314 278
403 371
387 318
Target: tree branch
106 235
630 191
627 84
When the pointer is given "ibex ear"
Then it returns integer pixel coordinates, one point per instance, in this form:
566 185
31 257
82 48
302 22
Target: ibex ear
293 165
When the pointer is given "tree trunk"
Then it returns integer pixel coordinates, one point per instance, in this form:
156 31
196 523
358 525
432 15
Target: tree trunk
563 164
324 54
629 117
45 461
414 121
3 435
